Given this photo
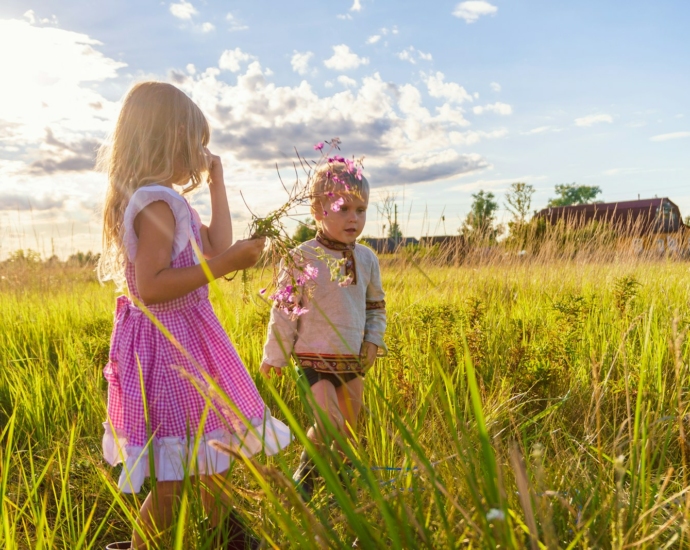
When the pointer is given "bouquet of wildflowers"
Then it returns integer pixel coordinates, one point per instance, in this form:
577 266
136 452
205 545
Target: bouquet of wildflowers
295 277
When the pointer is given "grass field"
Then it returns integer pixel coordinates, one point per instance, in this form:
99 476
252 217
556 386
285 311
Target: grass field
524 405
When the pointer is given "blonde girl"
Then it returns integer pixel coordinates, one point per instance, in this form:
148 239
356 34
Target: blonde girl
164 389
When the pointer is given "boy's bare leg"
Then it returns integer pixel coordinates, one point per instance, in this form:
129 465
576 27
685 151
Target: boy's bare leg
350 403
156 514
326 399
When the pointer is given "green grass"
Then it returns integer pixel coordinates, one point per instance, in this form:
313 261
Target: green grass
526 404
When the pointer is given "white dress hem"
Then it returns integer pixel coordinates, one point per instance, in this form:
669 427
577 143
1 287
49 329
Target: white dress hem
171 455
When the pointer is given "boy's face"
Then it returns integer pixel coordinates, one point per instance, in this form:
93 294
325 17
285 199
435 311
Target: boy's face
346 222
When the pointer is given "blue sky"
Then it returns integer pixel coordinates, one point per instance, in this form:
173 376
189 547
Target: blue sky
443 99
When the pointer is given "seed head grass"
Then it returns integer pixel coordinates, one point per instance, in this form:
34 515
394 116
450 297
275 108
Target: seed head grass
522 403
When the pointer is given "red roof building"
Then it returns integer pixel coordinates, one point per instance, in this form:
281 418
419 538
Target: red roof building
642 217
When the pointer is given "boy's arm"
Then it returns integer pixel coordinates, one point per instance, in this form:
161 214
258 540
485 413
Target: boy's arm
282 332
375 325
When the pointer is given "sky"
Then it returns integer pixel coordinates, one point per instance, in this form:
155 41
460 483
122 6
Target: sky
443 99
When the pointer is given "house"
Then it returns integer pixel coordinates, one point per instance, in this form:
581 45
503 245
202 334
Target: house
649 223
387 245
450 241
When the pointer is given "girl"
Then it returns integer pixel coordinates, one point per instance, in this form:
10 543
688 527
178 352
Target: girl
172 372
335 328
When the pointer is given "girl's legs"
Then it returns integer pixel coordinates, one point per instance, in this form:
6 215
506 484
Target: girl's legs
156 514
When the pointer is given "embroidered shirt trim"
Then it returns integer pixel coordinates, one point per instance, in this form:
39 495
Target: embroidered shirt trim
324 362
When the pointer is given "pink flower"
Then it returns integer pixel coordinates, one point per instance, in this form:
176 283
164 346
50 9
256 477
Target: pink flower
262 291
331 194
297 311
359 174
325 213
335 206
318 146
311 271
350 165
347 281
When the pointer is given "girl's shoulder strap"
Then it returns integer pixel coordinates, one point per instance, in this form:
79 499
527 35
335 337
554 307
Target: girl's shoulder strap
146 195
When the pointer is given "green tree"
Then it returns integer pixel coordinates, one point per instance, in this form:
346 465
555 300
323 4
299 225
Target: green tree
571 193
519 201
305 231
479 222
27 256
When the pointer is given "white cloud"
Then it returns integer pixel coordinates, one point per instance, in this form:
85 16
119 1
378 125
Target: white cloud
300 61
497 183
230 59
191 69
448 90
30 16
52 83
472 10
373 39
498 108
590 120
392 30
411 54
471 137
623 171
344 59
667 137
347 81
356 6
344 16
407 55
207 27
256 123
183 10
328 84
235 24
538 130
495 86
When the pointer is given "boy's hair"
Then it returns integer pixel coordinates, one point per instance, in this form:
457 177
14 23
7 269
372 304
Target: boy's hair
158 128
335 178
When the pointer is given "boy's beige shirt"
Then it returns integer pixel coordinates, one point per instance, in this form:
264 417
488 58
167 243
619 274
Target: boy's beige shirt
338 320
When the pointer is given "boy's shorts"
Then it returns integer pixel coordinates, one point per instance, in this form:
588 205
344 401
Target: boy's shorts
313 376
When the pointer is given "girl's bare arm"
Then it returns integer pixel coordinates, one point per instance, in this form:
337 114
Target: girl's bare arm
217 237
156 280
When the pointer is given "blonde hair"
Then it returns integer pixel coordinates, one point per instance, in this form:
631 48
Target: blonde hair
335 178
159 128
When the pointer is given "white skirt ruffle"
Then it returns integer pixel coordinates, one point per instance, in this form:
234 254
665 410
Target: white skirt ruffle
173 456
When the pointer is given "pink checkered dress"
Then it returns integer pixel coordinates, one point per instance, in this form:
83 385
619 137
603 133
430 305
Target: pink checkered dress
173 383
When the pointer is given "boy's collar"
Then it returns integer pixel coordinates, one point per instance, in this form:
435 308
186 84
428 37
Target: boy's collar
330 243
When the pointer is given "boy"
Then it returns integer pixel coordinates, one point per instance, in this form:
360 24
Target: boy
339 329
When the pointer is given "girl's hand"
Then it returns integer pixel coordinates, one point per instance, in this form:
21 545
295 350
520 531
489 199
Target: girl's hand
245 253
215 167
266 369
367 354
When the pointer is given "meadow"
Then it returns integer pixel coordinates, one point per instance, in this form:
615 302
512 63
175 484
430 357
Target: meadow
522 404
